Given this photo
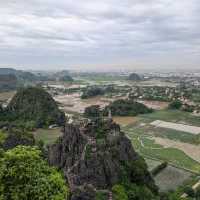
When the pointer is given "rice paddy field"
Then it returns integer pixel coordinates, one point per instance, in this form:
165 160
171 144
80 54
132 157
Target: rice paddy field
157 144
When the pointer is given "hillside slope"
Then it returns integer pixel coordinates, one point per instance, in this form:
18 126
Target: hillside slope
36 105
95 157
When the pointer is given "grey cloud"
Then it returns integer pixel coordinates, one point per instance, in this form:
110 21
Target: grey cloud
75 32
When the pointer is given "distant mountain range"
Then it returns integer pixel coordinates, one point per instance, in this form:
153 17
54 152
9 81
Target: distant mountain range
11 78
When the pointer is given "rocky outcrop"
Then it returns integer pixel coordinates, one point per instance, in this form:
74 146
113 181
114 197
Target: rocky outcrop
96 154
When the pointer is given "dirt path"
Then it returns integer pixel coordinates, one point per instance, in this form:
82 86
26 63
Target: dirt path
191 150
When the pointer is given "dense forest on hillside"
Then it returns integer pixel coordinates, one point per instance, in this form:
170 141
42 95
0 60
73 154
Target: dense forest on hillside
33 106
126 107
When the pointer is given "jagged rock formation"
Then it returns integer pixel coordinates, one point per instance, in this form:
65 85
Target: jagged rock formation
97 155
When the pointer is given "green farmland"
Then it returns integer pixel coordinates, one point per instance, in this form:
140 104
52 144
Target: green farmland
141 132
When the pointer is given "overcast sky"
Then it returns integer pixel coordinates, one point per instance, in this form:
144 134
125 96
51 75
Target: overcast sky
103 34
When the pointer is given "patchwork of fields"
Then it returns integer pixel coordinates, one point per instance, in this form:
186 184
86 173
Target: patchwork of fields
179 147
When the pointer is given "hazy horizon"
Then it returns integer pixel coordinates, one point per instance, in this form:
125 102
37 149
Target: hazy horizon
100 35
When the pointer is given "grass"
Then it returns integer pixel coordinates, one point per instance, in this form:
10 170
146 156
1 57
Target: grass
144 131
171 134
148 143
171 155
2 137
152 163
176 116
48 136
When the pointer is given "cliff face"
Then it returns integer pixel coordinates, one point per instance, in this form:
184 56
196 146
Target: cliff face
97 155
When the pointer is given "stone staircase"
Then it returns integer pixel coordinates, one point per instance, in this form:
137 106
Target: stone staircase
70 176
110 196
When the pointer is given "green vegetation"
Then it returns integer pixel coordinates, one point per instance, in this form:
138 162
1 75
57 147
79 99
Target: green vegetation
92 111
152 163
119 192
88 152
159 168
101 195
176 116
66 78
176 104
171 155
3 137
92 92
126 108
13 137
25 175
33 106
47 136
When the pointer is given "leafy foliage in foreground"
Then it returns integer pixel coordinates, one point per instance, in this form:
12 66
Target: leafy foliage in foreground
25 175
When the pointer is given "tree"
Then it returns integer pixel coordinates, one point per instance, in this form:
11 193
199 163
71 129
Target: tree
136 192
197 194
92 111
34 105
176 104
189 191
119 192
126 107
92 92
25 175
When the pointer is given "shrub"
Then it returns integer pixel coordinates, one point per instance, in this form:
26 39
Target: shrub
159 168
176 104
31 177
189 191
126 108
119 192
